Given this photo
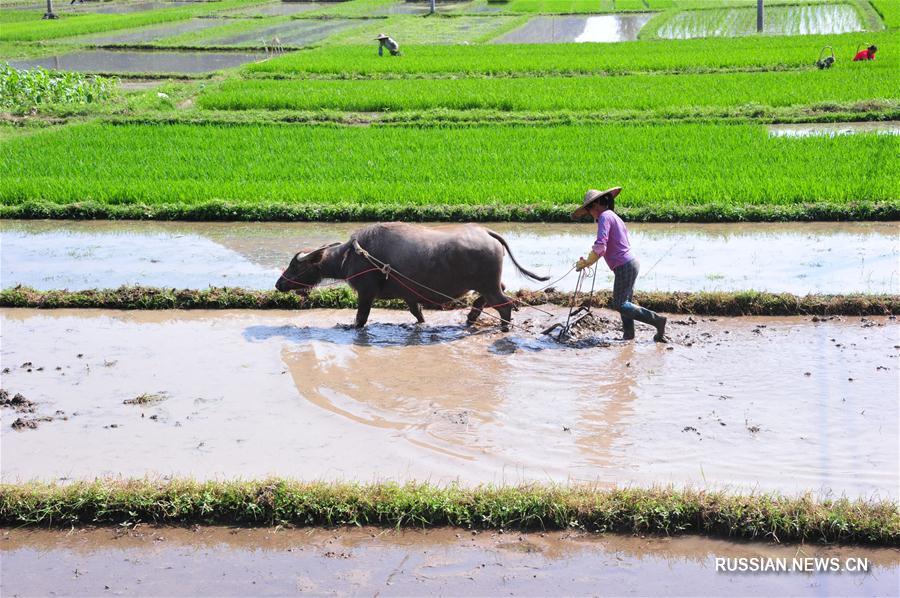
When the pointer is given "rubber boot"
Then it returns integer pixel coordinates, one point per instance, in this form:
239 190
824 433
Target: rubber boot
642 314
627 329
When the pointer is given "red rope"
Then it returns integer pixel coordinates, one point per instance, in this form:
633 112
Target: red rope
442 306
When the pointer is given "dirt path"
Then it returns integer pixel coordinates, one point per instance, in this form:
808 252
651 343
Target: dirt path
240 562
786 404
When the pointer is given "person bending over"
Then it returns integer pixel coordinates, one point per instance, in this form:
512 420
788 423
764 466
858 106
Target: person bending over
385 41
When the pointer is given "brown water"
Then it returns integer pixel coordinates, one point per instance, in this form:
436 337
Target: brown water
769 404
797 258
158 561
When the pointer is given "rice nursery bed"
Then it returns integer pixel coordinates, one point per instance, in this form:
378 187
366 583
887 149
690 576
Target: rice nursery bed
68 25
743 303
662 93
693 55
725 169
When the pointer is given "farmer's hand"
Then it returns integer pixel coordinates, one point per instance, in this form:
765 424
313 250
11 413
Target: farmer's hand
584 262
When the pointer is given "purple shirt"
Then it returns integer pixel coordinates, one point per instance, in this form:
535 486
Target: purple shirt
612 240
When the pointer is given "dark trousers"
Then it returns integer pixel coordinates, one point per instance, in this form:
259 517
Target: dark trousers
623 292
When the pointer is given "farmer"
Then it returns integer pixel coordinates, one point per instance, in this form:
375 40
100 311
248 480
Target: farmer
385 41
866 54
613 246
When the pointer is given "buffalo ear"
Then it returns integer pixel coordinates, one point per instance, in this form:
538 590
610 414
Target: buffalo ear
315 256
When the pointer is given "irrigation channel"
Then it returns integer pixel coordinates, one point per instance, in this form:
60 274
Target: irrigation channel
797 258
240 562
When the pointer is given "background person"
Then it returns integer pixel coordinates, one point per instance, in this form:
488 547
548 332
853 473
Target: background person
613 246
866 54
385 41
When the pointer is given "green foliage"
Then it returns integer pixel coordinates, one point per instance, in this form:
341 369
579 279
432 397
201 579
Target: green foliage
68 25
669 511
662 167
23 90
695 55
744 303
662 93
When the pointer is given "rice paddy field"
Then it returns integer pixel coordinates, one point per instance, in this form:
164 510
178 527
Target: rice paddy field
438 457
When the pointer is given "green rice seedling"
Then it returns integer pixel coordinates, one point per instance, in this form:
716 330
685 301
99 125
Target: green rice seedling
695 55
660 166
68 25
779 20
662 95
23 90
889 11
655 510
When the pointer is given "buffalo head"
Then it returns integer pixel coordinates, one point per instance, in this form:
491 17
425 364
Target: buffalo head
304 272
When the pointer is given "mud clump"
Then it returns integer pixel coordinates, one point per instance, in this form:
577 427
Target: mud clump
147 399
22 423
17 402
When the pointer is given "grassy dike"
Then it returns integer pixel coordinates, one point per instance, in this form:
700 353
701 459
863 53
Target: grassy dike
768 517
744 303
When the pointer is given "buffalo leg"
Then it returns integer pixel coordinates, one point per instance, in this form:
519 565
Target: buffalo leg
477 306
503 305
416 310
362 312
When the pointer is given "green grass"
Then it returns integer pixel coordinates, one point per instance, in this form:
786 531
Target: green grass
660 93
697 55
68 25
668 511
779 20
889 11
661 167
745 303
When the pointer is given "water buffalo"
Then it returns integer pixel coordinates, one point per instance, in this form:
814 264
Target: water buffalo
420 265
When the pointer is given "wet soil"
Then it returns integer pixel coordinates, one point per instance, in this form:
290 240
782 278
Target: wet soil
565 29
240 562
110 61
799 258
832 129
787 404
277 9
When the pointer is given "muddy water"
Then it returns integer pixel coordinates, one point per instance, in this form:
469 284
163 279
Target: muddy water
109 61
240 562
798 258
601 28
770 404
832 129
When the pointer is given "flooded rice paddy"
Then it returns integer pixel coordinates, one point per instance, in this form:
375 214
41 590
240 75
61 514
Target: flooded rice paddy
832 129
154 33
246 394
157 561
779 20
297 32
564 29
134 61
798 258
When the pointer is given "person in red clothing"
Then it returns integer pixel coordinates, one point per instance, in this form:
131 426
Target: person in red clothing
866 54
